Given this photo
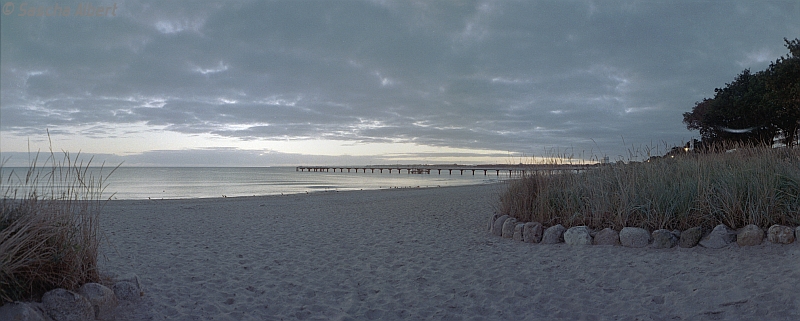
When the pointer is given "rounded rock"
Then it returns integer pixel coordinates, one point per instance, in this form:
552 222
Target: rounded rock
102 298
518 232
497 229
691 237
780 234
508 227
750 235
634 237
606 236
22 311
65 305
664 239
578 235
127 291
554 234
721 236
532 232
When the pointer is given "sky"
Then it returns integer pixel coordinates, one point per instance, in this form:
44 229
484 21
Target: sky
282 83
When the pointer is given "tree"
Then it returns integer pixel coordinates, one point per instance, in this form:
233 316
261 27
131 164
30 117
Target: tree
755 107
737 113
783 90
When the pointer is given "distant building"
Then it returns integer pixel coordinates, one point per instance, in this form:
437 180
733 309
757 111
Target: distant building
605 160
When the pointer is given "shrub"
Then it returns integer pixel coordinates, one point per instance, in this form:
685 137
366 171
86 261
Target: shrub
744 186
49 231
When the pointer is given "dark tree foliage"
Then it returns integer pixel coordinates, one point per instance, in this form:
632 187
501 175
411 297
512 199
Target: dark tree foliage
783 89
754 108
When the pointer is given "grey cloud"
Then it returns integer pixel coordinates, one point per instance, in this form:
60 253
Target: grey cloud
506 75
218 156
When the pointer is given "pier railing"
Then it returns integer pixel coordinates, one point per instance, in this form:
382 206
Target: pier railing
521 169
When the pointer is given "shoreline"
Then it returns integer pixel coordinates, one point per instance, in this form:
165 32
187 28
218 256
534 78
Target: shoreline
416 254
307 192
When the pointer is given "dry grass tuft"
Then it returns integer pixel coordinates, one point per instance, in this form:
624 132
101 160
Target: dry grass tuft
746 186
49 231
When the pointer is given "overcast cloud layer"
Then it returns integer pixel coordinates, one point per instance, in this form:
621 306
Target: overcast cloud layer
498 77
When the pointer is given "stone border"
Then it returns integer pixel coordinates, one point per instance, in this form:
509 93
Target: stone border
93 301
721 236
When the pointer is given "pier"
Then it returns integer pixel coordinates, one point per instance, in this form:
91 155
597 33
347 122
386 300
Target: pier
519 170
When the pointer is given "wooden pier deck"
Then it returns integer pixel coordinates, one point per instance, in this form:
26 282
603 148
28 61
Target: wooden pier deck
449 169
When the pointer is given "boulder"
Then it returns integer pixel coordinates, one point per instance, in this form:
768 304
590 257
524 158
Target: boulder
65 305
780 234
691 237
606 236
554 234
22 311
518 232
797 233
532 232
664 239
721 236
492 218
103 300
126 291
750 235
578 235
497 229
634 237
132 278
508 227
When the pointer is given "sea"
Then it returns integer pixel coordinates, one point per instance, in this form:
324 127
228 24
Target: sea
132 183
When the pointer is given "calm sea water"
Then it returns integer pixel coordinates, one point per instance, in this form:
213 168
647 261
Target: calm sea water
203 182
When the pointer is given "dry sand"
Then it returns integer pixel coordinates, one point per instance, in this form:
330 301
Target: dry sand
417 254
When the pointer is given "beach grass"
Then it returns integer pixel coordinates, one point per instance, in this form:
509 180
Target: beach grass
49 227
735 186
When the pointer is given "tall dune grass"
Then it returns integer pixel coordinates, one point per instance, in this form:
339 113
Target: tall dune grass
49 227
746 186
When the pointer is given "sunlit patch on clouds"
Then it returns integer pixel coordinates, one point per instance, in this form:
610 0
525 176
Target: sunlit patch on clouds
223 100
758 56
509 81
638 109
279 101
219 68
178 26
385 81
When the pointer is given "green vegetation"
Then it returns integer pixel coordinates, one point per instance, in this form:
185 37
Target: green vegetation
708 185
755 108
746 186
49 228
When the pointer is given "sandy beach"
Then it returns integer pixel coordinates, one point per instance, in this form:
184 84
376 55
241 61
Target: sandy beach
417 254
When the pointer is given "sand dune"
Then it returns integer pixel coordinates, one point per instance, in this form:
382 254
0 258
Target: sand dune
417 254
